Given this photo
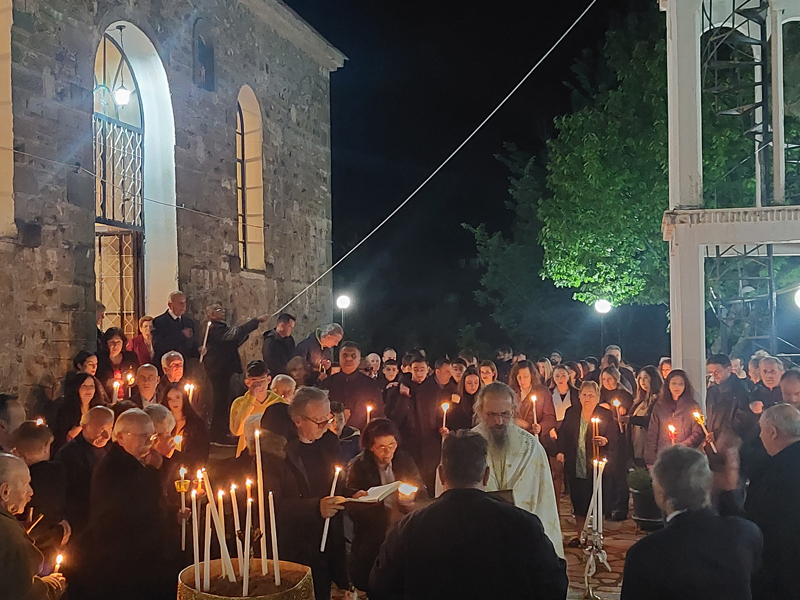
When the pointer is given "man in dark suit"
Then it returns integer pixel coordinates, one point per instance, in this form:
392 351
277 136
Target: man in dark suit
434 552
726 400
279 344
772 501
698 554
355 390
173 330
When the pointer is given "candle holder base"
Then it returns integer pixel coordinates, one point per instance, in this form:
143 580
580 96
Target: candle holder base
297 583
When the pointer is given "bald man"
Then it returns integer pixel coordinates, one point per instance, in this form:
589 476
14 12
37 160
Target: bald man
20 561
127 526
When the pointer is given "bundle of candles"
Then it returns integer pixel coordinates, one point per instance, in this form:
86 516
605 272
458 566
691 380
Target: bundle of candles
592 534
701 420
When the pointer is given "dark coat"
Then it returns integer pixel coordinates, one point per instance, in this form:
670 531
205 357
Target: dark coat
568 437
772 501
20 561
297 506
106 370
697 555
49 484
372 521
679 414
545 410
195 446
355 391
168 335
460 414
440 551
222 359
79 459
277 351
128 530
769 397
349 444
504 369
725 404
311 350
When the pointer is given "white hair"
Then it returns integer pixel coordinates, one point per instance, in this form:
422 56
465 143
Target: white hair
162 418
684 475
10 465
98 413
170 357
283 381
131 417
785 418
771 360
175 294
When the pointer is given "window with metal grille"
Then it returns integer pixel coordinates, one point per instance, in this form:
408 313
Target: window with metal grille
249 181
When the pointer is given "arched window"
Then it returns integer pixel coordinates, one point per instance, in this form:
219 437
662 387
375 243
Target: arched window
203 56
249 181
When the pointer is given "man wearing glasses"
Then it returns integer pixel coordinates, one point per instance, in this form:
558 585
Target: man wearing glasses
127 523
299 468
517 460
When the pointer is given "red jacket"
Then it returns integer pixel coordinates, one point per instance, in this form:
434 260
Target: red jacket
139 346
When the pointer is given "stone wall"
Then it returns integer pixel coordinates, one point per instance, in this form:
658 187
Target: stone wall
47 270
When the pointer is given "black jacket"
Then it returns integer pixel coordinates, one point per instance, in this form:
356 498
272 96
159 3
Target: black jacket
222 359
467 545
49 485
106 370
128 530
697 555
568 438
79 459
297 504
355 391
726 404
371 521
772 501
168 335
277 351
311 350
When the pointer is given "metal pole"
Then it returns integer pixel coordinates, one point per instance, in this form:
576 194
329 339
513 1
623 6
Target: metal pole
778 133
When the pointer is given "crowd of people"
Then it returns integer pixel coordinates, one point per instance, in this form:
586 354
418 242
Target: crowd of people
488 446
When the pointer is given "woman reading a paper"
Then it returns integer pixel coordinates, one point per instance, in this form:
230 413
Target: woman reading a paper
379 464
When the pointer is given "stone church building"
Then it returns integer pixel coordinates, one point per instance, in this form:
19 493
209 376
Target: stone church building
148 146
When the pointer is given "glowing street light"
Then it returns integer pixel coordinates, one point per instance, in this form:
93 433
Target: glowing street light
122 95
797 298
602 306
342 303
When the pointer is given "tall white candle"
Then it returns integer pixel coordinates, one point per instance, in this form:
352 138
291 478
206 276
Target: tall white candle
600 496
445 408
205 342
207 552
328 520
262 521
223 546
535 418
248 523
369 412
237 528
183 509
273 527
196 535
221 511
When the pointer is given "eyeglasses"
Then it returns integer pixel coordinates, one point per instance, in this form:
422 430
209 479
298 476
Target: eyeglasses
321 424
388 448
505 416
147 437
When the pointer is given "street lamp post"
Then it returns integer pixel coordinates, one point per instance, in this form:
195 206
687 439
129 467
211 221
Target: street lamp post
603 307
343 303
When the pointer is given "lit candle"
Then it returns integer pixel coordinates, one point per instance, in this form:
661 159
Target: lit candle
221 511
178 439
207 542
59 560
39 422
131 379
262 521
445 408
183 472
535 418
189 389
248 484
595 479
600 496
616 404
274 532
406 489
369 412
247 526
328 520
205 342
672 433
701 420
226 557
116 390
595 433
196 535
237 528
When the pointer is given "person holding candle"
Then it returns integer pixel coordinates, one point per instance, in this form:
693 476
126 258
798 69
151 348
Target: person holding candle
462 411
577 443
20 560
615 397
222 361
195 445
648 387
115 363
354 389
174 330
726 399
675 406
526 382
299 468
379 463
564 396
316 350
80 394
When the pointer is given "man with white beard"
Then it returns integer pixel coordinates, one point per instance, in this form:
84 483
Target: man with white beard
517 460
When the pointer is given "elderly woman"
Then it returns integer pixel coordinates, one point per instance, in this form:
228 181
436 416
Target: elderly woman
116 363
526 383
488 371
142 344
576 443
379 463
674 408
194 445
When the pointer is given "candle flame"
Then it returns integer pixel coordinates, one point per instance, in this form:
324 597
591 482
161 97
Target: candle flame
199 475
250 500
248 483
183 471
338 469
257 433
671 428
533 398
406 489
178 439
616 403
188 387
369 407
595 419
220 494
194 493
59 559
233 487
39 422
130 378
445 406
116 385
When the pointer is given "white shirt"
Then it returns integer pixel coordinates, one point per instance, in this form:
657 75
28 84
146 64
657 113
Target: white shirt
672 515
561 405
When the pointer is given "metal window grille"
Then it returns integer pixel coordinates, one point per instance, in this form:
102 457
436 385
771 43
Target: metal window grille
241 186
119 165
119 273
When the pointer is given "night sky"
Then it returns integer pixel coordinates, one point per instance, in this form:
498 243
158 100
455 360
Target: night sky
420 77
